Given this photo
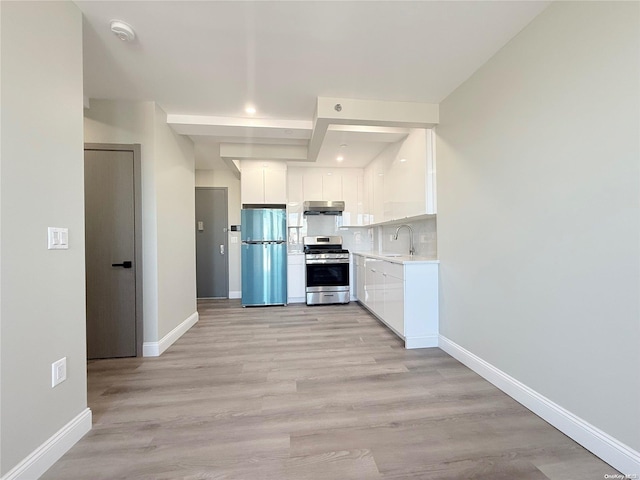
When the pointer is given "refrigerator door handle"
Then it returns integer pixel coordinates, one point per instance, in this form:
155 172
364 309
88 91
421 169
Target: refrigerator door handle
222 249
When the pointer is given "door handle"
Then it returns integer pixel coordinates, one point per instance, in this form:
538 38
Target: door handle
222 249
126 264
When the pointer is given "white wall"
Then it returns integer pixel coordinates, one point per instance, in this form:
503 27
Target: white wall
224 178
168 240
175 200
42 291
538 221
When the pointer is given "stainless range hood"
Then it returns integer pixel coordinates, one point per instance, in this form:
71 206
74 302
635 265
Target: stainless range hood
323 207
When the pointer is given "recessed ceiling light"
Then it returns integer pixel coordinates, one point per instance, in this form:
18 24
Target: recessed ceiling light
250 110
339 158
403 160
329 173
343 145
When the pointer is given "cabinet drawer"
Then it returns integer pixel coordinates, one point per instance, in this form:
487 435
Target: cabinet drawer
394 270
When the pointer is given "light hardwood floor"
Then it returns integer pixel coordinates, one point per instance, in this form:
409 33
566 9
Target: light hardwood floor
308 393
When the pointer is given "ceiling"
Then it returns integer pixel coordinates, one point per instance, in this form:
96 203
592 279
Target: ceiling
203 62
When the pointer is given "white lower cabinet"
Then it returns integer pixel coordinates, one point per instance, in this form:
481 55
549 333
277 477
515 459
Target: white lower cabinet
296 278
359 270
403 295
374 285
393 297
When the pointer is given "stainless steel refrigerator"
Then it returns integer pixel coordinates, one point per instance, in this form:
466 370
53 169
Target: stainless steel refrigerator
264 256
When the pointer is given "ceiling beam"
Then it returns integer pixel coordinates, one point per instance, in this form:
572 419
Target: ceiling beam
346 111
239 127
231 165
239 151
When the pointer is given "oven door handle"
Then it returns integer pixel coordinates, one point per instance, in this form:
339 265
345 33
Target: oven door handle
326 261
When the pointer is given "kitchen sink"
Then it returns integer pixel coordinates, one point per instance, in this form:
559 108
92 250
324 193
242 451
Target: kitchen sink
392 255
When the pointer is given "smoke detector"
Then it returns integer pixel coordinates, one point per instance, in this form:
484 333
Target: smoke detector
123 31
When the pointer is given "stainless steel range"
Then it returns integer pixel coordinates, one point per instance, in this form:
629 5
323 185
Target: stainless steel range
327 266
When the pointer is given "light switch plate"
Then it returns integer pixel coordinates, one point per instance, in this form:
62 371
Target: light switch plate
58 372
58 238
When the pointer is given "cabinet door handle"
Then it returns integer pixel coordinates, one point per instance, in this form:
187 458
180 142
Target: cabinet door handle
222 249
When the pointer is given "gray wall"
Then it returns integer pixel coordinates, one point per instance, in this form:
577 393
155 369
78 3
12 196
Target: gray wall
538 221
42 291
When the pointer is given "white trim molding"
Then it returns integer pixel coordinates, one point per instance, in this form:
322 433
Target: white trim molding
609 449
235 294
155 349
41 459
426 341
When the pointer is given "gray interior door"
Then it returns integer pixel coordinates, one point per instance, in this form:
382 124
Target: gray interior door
212 264
110 253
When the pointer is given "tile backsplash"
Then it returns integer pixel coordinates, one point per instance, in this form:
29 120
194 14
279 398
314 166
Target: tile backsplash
367 239
353 238
424 238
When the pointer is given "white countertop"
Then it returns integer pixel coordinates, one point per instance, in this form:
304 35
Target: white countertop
396 258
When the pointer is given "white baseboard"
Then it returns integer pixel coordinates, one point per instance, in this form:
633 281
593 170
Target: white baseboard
297 300
41 459
421 342
155 349
235 294
612 451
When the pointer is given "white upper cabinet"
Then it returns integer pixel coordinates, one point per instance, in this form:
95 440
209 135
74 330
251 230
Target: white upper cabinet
373 188
332 184
275 184
312 185
252 184
263 182
353 196
295 198
403 179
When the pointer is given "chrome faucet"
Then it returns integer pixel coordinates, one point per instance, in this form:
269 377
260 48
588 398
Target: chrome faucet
411 249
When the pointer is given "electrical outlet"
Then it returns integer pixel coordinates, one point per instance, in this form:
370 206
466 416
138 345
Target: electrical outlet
58 372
